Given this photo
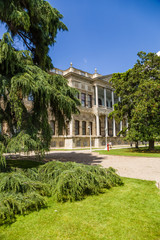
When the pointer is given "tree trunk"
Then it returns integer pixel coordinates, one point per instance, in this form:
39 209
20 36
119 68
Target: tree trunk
151 145
136 144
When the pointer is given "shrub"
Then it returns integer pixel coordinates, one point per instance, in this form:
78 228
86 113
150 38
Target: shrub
17 182
22 191
72 181
12 204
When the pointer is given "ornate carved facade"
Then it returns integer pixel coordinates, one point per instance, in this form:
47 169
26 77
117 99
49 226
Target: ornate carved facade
97 99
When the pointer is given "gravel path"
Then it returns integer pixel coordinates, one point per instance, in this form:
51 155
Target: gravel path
134 167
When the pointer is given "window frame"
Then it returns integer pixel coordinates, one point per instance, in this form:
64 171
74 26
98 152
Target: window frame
83 127
83 100
89 101
76 127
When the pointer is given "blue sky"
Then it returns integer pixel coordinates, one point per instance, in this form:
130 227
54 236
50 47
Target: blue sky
106 34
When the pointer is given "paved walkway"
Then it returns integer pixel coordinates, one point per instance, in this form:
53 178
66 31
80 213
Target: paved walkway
133 167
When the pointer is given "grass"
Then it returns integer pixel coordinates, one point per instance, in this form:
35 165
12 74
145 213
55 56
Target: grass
131 212
140 152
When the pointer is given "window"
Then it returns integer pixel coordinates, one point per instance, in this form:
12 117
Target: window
90 127
89 101
107 103
100 96
108 98
99 102
76 127
52 124
83 128
83 99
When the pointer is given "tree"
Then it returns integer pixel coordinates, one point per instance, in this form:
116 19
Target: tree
139 89
25 72
36 23
29 129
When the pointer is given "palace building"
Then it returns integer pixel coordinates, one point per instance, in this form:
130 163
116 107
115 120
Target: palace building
97 98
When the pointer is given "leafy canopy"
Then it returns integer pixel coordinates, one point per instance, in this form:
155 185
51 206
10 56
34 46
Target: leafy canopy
24 73
29 127
139 89
36 23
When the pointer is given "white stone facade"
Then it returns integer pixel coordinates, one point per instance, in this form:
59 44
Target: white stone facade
97 99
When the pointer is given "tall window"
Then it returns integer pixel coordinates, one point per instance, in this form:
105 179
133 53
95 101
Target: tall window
90 127
100 96
83 128
89 101
52 124
76 127
83 99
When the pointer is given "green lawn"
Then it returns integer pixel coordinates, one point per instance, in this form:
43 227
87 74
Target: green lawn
140 152
130 212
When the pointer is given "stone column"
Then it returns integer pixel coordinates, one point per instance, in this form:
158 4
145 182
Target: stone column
114 128
121 128
97 125
69 138
105 97
71 127
106 126
96 87
127 124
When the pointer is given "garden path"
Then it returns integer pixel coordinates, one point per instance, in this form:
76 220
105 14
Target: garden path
145 168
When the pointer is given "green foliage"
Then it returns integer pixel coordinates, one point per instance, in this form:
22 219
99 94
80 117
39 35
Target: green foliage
124 213
12 204
22 191
20 195
36 23
2 158
24 73
18 182
28 127
139 89
72 181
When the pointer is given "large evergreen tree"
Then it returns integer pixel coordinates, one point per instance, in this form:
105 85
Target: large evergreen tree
24 73
36 23
139 89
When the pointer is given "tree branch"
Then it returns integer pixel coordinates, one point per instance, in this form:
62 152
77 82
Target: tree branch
23 37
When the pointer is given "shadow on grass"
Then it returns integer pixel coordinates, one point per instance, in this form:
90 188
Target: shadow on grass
144 150
85 158
19 161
